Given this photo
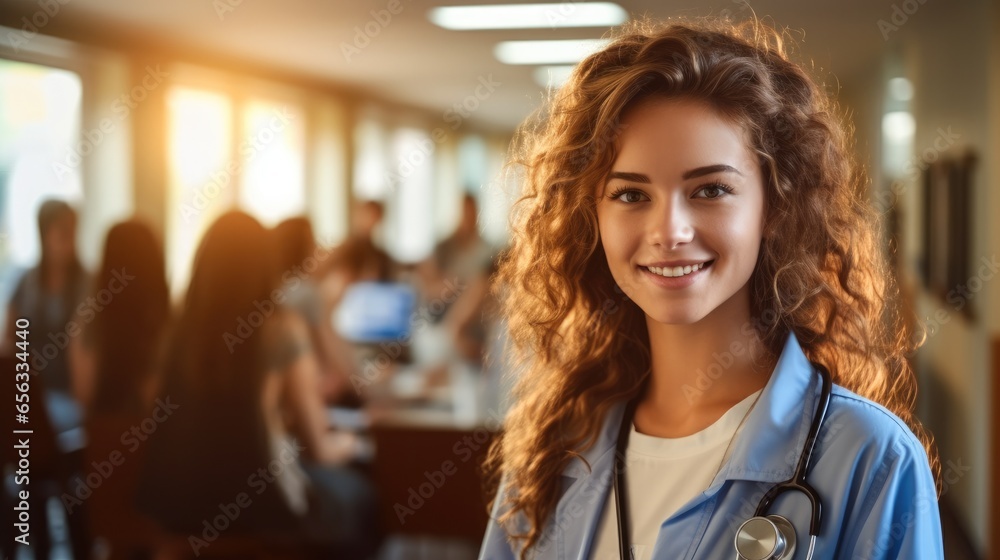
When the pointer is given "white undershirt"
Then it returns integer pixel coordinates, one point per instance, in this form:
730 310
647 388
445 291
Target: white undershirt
661 475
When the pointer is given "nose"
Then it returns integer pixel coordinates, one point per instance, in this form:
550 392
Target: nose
671 226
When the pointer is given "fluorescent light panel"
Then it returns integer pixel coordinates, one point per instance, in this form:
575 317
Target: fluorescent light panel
529 16
568 51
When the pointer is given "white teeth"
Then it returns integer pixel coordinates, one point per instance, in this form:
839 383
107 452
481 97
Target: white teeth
674 272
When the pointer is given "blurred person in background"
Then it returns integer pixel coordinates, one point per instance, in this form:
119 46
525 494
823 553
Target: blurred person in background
465 262
300 260
358 258
51 295
472 321
464 254
453 289
119 355
247 419
119 359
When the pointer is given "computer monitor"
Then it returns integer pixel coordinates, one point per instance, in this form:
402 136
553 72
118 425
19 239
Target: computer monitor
375 312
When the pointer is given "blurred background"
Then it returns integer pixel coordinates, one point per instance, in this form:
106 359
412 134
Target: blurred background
252 242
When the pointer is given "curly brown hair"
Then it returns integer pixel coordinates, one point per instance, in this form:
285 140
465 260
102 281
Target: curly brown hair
822 272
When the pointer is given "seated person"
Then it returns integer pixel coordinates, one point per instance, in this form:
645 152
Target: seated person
247 437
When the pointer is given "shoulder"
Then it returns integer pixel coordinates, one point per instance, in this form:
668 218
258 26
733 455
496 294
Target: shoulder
879 480
23 286
871 451
851 414
286 337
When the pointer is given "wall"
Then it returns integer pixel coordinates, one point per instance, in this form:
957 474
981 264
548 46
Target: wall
945 52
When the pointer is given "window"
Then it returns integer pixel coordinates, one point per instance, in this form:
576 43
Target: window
273 155
225 154
201 171
371 167
410 217
41 151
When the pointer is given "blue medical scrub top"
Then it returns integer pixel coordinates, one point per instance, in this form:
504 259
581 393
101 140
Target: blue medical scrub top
871 473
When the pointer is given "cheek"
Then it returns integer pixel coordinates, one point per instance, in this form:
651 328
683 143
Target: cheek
620 243
614 239
740 234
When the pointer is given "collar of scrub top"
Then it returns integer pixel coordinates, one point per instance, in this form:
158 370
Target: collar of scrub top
779 423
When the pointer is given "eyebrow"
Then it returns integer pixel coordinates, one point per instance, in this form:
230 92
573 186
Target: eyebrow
690 174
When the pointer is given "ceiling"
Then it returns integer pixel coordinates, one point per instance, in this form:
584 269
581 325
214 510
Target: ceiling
406 59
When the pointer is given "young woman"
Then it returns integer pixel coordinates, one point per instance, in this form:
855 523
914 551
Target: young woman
49 295
247 419
52 296
296 246
693 262
119 355
118 358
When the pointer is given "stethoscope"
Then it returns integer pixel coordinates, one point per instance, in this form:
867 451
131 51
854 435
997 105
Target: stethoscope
762 537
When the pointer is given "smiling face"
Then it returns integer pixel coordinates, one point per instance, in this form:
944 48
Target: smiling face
682 212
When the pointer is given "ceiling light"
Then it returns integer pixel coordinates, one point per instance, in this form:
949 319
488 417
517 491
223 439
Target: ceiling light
547 52
529 16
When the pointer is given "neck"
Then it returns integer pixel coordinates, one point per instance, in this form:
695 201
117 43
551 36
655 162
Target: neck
699 371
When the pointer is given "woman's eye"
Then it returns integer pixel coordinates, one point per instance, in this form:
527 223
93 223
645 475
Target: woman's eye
628 196
714 191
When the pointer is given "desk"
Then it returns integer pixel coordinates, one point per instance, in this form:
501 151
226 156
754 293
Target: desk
427 469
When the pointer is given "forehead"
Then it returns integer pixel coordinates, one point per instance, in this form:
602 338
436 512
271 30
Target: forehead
678 134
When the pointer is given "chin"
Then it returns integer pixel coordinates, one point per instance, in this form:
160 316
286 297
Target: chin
677 317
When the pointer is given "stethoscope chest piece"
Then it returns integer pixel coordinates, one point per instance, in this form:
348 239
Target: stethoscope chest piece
765 538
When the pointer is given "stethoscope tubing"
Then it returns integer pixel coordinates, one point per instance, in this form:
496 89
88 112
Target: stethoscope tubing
796 483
